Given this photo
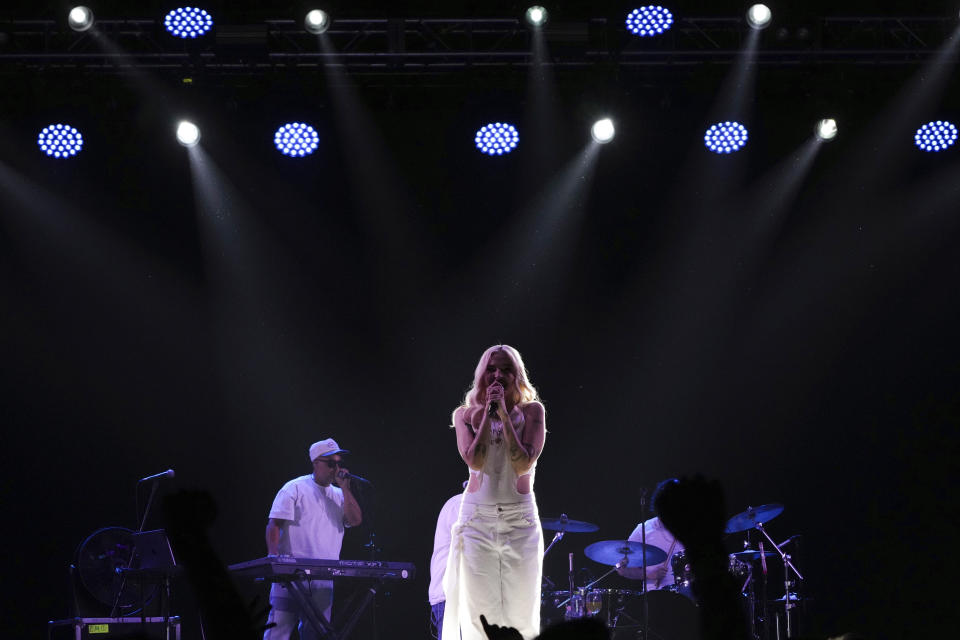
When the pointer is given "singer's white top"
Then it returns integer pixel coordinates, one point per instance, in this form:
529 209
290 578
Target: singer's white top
498 479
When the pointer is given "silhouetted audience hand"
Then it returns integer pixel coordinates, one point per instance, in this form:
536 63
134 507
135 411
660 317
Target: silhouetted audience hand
187 515
693 510
582 629
496 632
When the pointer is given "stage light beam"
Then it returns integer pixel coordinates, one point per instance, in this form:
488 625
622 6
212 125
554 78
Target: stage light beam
826 130
536 16
317 21
758 16
603 131
188 134
80 18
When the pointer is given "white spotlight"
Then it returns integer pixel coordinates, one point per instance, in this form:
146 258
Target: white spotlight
187 133
759 16
80 18
536 16
827 129
317 21
602 131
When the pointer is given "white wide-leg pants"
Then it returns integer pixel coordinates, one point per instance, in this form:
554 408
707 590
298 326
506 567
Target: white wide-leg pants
494 568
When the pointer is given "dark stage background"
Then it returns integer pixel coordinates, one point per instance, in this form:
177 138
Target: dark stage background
677 318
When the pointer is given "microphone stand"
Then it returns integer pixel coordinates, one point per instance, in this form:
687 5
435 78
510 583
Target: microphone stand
574 610
643 564
153 492
370 595
558 536
787 567
114 611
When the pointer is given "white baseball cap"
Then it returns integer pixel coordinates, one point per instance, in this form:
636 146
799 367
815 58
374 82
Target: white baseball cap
326 447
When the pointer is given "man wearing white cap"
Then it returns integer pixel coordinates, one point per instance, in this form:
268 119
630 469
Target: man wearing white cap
307 520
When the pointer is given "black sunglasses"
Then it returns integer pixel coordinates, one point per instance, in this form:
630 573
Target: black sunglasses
331 463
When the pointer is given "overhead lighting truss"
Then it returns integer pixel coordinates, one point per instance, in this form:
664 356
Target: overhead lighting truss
440 45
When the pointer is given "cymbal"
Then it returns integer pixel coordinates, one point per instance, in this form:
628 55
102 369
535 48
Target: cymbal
563 523
751 554
611 552
793 598
753 515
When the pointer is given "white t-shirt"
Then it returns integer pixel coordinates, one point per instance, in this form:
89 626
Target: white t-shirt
314 519
441 547
658 536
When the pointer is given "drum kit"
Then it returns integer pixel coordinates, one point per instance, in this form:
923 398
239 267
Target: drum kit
670 611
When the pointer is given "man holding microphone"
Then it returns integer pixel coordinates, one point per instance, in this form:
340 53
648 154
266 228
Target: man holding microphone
307 520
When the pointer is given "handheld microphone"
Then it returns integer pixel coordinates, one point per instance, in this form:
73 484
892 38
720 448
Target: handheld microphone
492 407
343 475
165 474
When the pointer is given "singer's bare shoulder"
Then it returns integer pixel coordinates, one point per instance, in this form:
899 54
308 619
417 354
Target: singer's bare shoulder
466 415
534 415
534 411
535 432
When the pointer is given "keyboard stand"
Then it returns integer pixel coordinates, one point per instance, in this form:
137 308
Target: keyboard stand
354 616
301 594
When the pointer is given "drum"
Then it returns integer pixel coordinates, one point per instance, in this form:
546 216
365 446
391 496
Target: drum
557 606
604 604
684 589
738 567
607 604
682 577
671 616
681 568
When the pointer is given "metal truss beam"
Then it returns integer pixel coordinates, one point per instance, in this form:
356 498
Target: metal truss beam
443 45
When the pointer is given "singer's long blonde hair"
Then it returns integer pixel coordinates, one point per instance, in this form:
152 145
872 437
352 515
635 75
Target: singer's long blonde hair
520 393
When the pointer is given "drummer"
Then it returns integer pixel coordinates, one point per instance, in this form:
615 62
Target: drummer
660 575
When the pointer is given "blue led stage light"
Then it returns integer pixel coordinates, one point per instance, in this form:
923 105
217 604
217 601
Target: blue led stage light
725 137
296 139
188 22
497 138
60 141
936 136
651 20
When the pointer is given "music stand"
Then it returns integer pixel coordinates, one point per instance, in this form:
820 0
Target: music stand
153 553
153 558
